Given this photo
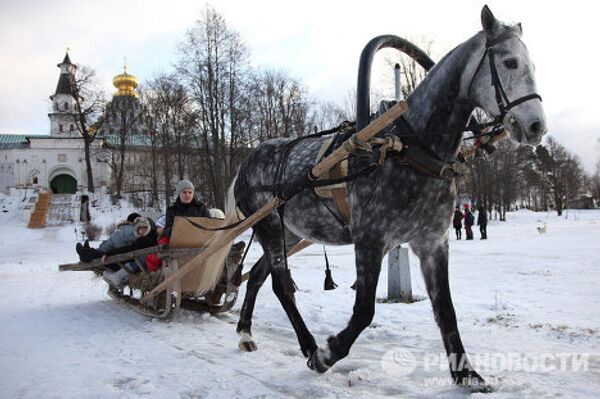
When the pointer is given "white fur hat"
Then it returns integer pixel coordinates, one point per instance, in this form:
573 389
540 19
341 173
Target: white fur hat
141 222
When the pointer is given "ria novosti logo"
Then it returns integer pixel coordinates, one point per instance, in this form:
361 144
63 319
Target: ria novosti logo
399 362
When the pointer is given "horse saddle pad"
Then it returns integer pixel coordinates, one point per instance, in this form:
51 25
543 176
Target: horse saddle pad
340 170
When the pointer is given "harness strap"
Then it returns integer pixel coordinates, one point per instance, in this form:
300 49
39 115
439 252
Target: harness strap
339 196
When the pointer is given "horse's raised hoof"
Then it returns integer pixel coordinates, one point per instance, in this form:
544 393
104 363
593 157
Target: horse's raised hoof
318 361
472 381
247 344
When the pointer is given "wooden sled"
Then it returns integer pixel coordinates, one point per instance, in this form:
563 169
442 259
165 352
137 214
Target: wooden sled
186 242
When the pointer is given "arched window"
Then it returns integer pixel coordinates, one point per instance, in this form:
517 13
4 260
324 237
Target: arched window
60 128
71 127
66 106
35 180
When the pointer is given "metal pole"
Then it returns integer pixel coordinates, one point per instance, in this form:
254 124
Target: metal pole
397 82
399 286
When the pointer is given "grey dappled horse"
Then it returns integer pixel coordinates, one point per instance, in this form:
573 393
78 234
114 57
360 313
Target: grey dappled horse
394 204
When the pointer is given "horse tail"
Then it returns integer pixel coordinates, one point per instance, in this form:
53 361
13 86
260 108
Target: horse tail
214 264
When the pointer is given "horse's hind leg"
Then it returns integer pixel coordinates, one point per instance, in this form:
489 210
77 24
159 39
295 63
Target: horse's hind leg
269 234
258 274
434 266
368 265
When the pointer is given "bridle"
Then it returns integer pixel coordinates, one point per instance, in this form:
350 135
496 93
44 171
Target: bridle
504 104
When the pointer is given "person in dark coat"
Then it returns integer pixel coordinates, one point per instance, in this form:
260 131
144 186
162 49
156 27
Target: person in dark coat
482 222
185 205
457 222
469 221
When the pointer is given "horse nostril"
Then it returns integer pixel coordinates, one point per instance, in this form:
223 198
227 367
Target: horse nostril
535 128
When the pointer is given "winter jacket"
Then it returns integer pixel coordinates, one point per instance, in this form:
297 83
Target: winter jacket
149 240
469 218
457 220
123 236
482 218
193 209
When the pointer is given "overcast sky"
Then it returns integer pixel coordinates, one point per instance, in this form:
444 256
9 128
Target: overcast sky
318 42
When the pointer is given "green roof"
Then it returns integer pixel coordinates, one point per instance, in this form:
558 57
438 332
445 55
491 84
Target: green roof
13 138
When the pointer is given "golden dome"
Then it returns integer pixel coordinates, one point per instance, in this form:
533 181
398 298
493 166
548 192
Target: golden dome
126 84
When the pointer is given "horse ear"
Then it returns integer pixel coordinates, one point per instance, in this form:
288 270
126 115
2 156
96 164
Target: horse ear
490 24
519 28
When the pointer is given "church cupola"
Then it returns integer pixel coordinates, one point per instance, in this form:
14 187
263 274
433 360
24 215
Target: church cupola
125 83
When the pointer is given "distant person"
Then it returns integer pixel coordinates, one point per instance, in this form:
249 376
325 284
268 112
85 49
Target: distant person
482 222
185 205
123 236
457 222
469 221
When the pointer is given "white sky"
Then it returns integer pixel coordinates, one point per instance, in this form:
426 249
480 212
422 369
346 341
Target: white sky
318 42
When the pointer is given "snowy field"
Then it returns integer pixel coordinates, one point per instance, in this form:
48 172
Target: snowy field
528 308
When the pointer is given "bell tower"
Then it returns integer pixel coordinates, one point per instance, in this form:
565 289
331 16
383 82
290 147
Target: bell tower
62 117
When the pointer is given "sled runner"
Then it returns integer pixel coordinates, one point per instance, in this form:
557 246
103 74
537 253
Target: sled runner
186 242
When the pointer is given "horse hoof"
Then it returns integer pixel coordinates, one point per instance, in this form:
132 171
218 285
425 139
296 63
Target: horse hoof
317 361
247 344
472 381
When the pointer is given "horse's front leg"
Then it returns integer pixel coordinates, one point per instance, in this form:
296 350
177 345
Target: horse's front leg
433 257
368 265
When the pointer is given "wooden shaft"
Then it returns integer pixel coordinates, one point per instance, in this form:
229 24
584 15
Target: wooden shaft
363 136
318 170
295 249
213 246
299 247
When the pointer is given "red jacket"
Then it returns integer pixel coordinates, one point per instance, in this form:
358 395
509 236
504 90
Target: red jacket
153 263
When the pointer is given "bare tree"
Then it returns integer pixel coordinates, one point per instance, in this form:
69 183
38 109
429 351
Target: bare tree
89 105
171 123
280 105
123 118
325 115
212 61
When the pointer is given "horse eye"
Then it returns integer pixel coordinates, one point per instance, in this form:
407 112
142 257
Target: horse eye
511 63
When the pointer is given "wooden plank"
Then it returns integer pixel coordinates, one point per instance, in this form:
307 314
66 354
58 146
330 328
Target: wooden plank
318 170
96 263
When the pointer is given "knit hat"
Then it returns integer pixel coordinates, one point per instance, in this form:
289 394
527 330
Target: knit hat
182 185
141 222
132 216
161 221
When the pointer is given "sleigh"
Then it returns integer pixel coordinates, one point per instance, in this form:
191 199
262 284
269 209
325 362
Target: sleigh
187 239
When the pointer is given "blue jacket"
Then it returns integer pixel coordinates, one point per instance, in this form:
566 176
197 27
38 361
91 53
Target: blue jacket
122 237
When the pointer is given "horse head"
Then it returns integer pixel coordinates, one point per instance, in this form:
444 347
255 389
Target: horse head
503 84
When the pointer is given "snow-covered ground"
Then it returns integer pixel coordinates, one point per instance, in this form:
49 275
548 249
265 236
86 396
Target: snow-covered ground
527 306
